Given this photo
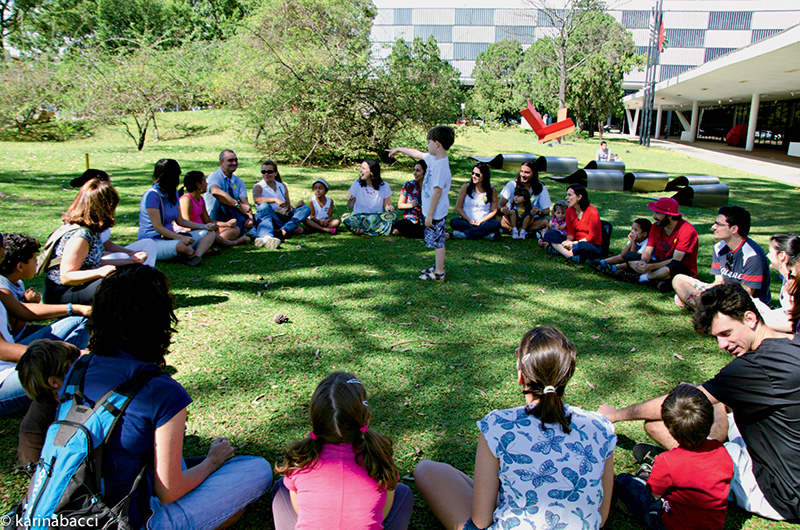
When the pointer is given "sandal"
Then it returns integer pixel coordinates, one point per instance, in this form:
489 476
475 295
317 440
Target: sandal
428 270
432 276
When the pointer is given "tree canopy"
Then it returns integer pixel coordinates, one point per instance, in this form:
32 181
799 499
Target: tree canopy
496 94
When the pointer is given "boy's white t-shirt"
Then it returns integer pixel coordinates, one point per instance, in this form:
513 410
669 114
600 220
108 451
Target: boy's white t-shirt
368 199
437 176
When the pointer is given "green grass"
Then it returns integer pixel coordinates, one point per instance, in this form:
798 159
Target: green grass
435 357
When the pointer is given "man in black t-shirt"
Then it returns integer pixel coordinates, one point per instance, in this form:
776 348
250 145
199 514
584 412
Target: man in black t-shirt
761 389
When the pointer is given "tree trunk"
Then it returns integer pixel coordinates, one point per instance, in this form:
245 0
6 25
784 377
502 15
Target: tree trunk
155 126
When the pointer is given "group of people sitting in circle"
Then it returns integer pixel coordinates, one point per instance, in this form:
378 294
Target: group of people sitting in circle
542 464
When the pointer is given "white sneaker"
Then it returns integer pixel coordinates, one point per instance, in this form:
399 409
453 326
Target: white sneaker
267 242
523 234
515 233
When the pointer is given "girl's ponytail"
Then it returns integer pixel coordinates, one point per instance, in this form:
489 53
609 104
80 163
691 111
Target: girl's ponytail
546 359
374 452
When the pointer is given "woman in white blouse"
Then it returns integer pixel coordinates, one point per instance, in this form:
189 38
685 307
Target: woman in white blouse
371 200
477 207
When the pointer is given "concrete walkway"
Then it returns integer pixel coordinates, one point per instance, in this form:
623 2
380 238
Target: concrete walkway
788 172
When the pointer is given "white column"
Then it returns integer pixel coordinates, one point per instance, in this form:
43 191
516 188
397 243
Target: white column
658 123
695 119
634 129
751 126
683 120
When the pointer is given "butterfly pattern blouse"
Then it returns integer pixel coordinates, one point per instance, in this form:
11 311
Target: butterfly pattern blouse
549 480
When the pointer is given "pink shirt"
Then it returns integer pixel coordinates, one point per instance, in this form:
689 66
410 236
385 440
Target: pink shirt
198 206
337 493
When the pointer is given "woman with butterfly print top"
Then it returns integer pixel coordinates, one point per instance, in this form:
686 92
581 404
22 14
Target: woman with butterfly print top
551 463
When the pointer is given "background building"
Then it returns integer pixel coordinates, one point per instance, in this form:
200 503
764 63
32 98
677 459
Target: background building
697 31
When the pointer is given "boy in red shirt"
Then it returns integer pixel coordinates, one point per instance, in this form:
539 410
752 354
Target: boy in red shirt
688 486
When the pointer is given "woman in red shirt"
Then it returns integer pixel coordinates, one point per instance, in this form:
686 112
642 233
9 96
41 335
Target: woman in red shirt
584 236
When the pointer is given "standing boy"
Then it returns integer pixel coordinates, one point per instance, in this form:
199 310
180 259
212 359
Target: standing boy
435 190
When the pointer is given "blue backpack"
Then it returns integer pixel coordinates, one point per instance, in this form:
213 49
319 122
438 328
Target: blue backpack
66 488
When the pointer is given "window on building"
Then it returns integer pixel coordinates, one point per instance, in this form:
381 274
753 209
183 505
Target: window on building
468 51
474 17
636 19
403 17
685 38
440 33
713 53
730 19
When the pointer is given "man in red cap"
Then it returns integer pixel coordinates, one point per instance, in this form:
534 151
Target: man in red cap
671 247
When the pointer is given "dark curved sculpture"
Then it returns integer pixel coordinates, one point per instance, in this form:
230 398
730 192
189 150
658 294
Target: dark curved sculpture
703 195
506 161
690 180
609 164
560 165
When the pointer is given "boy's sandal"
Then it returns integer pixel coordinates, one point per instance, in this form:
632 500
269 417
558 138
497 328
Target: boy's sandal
428 270
432 276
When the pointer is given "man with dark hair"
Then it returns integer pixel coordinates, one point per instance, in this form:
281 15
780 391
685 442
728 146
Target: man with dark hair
761 389
736 259
671 247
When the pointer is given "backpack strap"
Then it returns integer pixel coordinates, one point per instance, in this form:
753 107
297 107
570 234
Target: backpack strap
46 261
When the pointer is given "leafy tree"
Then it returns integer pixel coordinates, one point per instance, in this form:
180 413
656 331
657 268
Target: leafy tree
59 26
595 91
27 92
304 77
495 94
581 66
124 87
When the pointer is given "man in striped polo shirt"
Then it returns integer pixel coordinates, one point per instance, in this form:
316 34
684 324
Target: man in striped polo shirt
736 259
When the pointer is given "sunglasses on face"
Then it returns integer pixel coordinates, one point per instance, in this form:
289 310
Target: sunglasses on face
477 174
268 171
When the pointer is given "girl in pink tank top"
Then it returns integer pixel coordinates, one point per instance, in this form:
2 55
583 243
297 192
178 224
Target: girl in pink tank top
342 475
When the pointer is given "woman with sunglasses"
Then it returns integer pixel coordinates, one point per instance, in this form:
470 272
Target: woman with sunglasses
477 207
271 196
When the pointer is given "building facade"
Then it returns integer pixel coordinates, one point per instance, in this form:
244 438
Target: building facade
696 31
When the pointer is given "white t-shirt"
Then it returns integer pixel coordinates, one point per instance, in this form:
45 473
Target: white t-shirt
266 192
541 201
368 199
437 176
6 368
476 206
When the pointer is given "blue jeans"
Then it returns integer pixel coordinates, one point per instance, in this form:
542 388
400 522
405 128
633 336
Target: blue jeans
645 508
239 482
220 212
265 220
475 232
69 329
298 216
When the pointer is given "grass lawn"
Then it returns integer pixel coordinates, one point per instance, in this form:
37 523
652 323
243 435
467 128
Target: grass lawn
434 357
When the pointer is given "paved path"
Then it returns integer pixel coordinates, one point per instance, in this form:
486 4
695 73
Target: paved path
789 174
